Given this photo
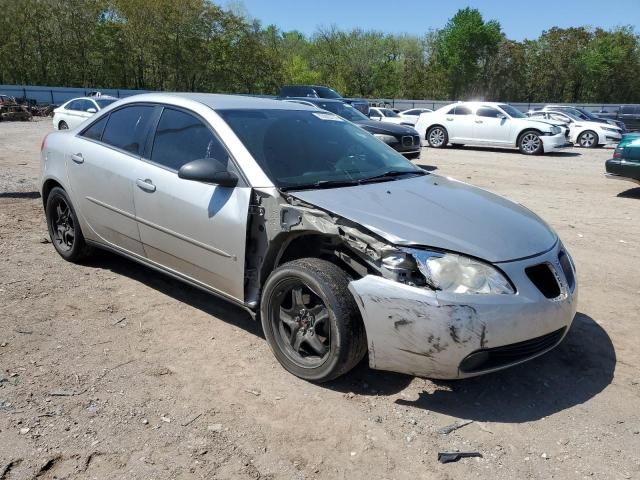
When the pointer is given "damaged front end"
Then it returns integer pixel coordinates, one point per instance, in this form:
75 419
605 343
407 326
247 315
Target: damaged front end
426 312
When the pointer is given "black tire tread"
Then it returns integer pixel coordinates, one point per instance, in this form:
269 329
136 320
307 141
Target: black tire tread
80 250
336 282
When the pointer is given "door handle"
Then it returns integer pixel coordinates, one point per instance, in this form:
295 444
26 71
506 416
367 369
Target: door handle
449 119
479 121
146 185
77 157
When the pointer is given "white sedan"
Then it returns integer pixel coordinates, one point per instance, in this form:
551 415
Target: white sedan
489 124
411 116
77 110
387 115
583 133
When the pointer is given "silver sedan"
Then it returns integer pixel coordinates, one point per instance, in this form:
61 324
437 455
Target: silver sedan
334 241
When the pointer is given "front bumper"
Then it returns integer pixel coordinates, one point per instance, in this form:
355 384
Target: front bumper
446 335
553 142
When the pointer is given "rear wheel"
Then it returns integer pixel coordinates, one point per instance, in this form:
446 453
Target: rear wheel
588 139
530 143
64 228
437 137
311 321
63 125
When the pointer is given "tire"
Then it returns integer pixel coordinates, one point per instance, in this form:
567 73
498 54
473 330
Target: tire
437 137
63 125
311 321
64 228
588 139
530 143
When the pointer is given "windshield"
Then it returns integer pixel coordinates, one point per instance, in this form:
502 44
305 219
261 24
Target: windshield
326 92
306 149
103 102
344 110
512 111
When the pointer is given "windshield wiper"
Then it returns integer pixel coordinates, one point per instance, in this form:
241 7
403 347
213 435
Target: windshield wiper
322 184
392 174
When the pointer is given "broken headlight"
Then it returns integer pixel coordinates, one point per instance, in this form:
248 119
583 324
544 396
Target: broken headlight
454 273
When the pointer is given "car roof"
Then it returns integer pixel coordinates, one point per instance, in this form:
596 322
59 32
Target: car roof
217 101
316 100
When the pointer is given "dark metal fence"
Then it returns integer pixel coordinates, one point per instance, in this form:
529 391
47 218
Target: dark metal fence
58 95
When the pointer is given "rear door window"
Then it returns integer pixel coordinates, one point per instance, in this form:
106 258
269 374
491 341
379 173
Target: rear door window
460 110
127 128
181 138
488 112
75 105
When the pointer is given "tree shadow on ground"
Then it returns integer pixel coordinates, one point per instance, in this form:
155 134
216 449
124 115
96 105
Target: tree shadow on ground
577 370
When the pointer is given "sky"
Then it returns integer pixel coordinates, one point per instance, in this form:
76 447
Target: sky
519 19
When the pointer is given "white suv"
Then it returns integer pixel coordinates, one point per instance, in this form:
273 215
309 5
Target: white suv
490 124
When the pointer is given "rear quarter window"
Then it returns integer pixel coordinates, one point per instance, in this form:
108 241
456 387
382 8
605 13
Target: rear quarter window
94 132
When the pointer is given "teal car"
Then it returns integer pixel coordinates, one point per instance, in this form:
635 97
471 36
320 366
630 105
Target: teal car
625 164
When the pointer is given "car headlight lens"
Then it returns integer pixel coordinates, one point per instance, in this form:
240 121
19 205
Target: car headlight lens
609 129
450 272
388 139
555 130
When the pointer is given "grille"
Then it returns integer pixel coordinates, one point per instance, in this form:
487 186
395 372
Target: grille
543 278
490 358
567 268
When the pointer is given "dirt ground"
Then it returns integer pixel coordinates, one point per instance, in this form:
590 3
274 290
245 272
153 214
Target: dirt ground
110 370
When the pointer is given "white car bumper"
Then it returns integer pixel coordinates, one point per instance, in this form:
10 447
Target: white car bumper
444 335
553 142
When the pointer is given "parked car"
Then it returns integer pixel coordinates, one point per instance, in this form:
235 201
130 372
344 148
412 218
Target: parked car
489 124
338 242
402 138
629 114
411 116
75 111
387 115
318 91
625 164
583 114
584 133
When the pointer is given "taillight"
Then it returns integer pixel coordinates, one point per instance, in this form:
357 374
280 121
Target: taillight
44 140
617 153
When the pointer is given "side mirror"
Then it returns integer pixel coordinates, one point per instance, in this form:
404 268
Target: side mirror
91 110
207 170
502 117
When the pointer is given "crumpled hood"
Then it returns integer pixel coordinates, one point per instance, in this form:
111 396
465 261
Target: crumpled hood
439 212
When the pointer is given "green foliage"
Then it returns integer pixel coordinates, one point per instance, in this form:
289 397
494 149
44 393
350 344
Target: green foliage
197 45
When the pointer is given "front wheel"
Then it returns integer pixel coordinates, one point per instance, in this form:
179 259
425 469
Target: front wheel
530 143
311 321
63 125
588 139
437 137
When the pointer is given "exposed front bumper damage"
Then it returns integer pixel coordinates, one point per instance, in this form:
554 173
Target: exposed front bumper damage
553 142
429 333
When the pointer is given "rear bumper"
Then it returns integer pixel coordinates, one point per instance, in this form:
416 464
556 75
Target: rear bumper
444 335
